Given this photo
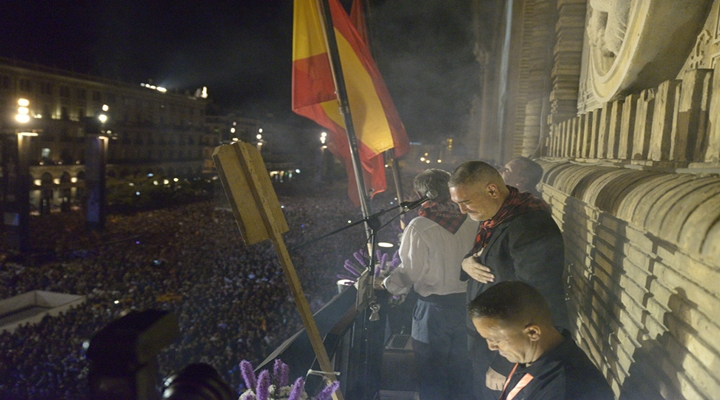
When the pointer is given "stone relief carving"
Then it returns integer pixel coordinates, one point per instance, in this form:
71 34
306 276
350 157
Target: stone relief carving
636 44
607 25
697 57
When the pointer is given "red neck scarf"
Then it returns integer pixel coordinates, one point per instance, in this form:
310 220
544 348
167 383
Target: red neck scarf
515 204
446 214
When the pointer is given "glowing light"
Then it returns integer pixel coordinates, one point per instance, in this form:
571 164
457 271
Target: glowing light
22 118
155 183
137 193
439 161
232 130
37 182
116 301
386 244
23 102
105 107
73 179
23 110
297 171
345 282
349 221
175 179
166 182
150 175
324 147
131 184
27 134
259 136
427 162
56 181
235 139
103 118
153 87
422 159
260 130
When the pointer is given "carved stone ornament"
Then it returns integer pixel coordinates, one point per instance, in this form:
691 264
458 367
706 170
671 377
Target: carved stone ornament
637 44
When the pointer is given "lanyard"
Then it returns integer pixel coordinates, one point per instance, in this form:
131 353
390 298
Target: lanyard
518 387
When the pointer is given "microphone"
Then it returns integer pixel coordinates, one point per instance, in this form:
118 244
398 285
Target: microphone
411 205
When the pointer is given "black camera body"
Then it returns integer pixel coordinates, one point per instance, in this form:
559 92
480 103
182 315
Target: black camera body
123 362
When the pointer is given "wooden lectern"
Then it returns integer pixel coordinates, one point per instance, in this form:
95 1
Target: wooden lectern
259 217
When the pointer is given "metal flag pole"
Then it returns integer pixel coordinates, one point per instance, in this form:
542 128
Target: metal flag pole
367 304
341 91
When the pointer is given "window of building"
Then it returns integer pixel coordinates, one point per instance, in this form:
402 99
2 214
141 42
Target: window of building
82 94
64 91
25 85
64 113
4 82
46 88
97 97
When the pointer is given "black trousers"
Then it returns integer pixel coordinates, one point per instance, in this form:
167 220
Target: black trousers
443 367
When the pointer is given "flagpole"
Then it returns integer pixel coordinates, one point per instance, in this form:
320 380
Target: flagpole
338 77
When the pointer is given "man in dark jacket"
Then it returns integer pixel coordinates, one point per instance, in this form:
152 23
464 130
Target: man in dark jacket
515 320
517 240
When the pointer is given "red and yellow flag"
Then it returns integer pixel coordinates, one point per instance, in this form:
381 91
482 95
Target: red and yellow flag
377 124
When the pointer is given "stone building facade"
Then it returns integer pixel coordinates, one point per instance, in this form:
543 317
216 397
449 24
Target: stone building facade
150 130
619 100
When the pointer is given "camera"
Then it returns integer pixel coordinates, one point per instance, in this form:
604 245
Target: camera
123 362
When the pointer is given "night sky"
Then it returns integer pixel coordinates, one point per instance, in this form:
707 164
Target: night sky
241 50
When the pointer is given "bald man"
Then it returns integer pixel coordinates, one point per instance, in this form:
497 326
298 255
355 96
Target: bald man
515 320
517 240
522 173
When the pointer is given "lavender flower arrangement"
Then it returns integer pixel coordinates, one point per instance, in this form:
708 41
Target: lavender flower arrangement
275 387
383 268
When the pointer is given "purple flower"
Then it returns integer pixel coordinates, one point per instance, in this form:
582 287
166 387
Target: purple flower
285 377
326 393
381 266
360 257
248 374
297 389
351 268
263 386
280 372
277 369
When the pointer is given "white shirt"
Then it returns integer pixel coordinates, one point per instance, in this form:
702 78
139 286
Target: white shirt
430 258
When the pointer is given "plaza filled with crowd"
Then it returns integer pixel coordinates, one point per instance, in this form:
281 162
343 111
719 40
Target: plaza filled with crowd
231 299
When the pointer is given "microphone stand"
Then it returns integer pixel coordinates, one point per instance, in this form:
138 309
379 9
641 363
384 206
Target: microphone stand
367 302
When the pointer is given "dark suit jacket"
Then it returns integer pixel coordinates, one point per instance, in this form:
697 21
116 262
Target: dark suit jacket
528 248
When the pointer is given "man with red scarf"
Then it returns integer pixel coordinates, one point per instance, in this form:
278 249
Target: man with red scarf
431 251
517 240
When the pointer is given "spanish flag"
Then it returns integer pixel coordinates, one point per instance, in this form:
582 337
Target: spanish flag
377 124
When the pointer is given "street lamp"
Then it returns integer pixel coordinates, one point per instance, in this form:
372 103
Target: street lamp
102 116
23 114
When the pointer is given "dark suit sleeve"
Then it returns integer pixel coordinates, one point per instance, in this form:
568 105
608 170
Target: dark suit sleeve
538 253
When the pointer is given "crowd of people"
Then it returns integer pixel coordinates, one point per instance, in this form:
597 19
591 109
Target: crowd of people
231 299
